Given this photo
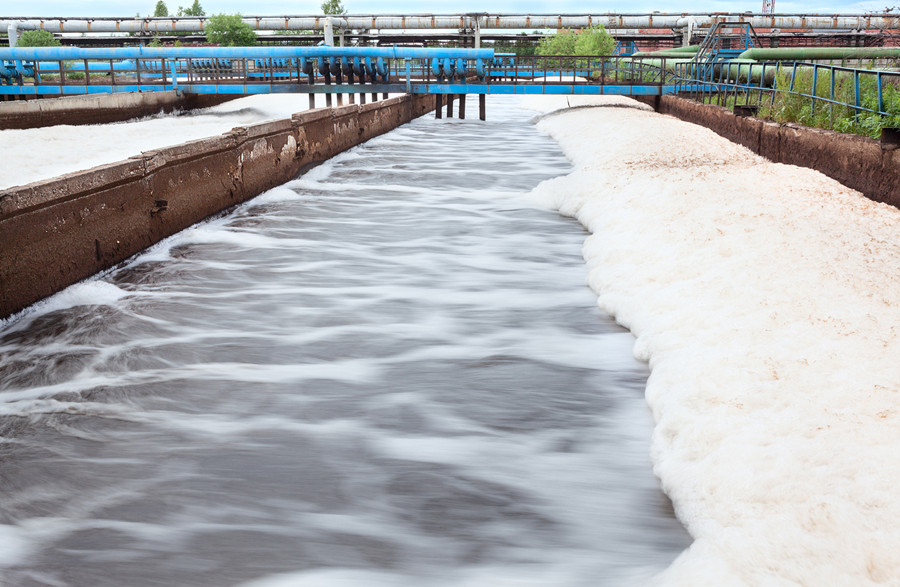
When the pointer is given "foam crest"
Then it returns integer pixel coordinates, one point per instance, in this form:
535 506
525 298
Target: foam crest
93 292
765 299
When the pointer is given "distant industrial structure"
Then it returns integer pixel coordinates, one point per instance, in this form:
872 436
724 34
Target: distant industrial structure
518 33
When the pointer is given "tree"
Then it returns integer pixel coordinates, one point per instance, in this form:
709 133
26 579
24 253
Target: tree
39 38
229 30
161 9
594 41
590 41
194 10
562 43
333 7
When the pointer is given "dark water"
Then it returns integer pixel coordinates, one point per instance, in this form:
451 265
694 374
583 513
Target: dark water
388 372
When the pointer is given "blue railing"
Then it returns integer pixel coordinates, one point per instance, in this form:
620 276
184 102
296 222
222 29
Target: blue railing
762 84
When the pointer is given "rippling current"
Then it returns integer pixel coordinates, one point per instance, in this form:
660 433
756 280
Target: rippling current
386 372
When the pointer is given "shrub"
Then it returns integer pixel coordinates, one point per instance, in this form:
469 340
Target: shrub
40 38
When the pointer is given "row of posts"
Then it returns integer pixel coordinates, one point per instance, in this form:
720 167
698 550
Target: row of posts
340 99
439 100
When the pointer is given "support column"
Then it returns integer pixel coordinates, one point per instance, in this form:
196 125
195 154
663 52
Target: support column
362 98
329 32
352 98
340 99
462 106
312 101
374 97
482 106
438 104
449 105
328 100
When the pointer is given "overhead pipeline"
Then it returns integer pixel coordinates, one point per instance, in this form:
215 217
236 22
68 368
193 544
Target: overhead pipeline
474 22
77 53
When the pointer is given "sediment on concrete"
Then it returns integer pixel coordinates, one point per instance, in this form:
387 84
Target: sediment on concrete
860 163
57 232
100 108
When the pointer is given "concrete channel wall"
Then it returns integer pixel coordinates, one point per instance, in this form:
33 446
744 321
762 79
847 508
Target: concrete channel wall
857 162
57 232
99 108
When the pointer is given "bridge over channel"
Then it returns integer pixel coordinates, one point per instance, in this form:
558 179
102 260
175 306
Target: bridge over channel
724 64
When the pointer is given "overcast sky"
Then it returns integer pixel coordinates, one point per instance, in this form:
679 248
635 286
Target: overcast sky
282 7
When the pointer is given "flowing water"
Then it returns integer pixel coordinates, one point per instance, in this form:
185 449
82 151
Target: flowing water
387 372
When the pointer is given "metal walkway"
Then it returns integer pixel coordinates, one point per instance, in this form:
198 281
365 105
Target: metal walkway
54 71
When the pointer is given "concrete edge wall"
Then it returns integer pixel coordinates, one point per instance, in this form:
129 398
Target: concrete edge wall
99 108
857 162
57 232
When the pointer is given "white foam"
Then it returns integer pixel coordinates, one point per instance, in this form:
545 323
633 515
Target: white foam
75 148
93 292
767 301
15 547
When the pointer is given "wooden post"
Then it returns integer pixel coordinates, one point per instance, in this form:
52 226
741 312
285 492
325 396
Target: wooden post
449 105
482 106
462 106
438 104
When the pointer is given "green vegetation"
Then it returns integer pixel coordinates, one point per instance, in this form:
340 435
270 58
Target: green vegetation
590 41
788 107
195 9
523 49
229 30
798 106
333 7
161 9
39 38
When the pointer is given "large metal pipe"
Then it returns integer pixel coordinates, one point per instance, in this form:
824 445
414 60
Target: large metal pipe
329 32
813 53
480 22
75 53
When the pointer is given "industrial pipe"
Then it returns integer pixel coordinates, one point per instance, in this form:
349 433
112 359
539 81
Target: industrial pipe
77 53
329 32
480 23
813 53
678 52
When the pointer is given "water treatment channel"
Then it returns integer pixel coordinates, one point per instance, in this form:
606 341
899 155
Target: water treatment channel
387 372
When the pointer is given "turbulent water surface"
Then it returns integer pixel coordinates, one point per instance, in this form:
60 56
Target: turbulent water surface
386 372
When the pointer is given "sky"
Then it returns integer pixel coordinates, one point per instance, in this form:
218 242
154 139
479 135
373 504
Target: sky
48 8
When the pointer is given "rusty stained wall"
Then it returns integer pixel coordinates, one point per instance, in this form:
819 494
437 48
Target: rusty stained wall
57 232
857 162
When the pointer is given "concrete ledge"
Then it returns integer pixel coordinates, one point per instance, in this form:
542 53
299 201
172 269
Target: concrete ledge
857 162
57 232
99 108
